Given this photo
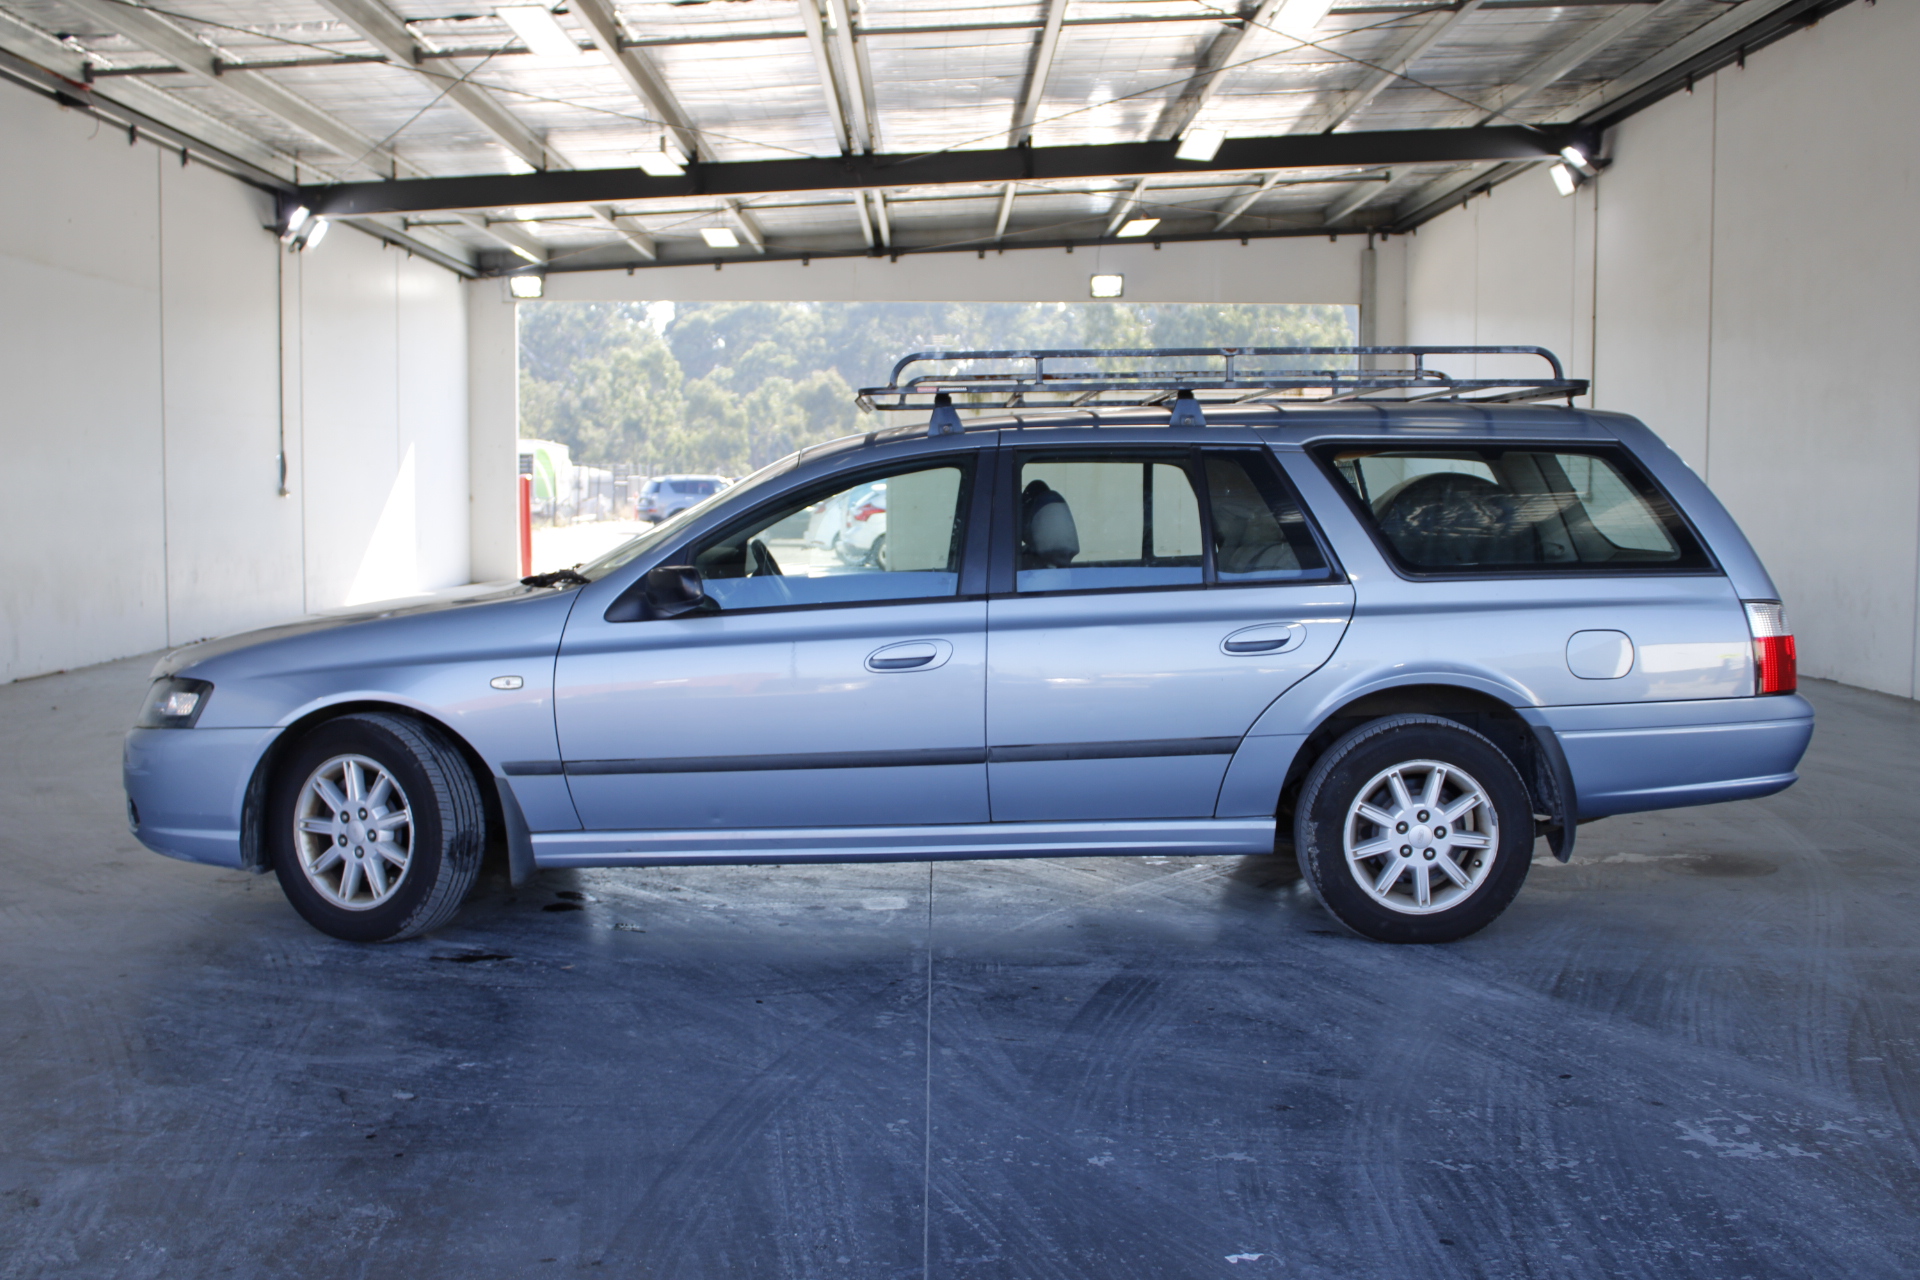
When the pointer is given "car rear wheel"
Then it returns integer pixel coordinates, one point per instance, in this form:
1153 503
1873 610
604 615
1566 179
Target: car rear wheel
1414 829
375 828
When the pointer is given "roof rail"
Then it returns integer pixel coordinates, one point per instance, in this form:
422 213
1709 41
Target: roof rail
1206 376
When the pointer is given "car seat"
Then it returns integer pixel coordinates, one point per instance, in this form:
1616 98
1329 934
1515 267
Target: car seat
1450 518
1048 537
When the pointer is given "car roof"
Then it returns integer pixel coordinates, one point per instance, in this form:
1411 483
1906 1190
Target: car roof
1294 424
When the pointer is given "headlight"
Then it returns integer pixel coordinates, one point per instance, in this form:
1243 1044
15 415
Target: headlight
174 703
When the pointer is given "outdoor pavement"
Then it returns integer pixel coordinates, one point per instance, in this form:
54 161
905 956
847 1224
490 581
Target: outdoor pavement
1692 1053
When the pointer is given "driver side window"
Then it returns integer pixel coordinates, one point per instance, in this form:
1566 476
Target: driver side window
892 536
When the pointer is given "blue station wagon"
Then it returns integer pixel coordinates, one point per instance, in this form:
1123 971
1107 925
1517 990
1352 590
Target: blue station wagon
1396 624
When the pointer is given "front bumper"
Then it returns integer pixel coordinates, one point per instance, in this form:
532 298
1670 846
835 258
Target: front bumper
188 787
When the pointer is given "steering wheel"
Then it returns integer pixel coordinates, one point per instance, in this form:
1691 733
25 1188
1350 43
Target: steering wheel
764 565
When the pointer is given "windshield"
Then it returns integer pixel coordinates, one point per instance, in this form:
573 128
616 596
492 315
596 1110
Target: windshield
669 529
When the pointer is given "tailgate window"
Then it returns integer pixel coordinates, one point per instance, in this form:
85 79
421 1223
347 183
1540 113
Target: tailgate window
1516 509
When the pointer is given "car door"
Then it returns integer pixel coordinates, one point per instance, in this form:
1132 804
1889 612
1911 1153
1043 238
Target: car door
1149 604
805 691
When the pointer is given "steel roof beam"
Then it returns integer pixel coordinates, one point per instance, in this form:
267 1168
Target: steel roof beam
508 234
1126 160
1230 211
637 69
881 222
380 27
173 41
749 225
50 66
1123 207
642 243
823 67
1200 87
1557 66
853 89
1394 66
1036 87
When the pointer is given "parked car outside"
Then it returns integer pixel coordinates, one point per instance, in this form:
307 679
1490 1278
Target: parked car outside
663 497
1397 642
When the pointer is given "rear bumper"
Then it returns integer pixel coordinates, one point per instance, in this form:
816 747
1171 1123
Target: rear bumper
188 786
1630 757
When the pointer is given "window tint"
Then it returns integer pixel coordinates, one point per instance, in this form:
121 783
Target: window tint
1106 522
1497 509
897 537
1259 531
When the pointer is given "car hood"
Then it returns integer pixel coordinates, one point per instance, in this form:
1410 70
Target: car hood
391 626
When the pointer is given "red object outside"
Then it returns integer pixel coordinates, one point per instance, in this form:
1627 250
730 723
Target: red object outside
526 525
1778 663
869 510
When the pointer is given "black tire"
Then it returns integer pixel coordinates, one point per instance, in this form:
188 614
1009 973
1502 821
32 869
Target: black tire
445 838
1362 766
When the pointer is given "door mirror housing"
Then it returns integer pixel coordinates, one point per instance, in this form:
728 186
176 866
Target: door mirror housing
673 589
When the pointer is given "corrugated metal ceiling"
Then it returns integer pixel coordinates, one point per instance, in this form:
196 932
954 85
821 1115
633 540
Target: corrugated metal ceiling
931 75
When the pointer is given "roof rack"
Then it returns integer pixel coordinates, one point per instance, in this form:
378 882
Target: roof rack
1208 375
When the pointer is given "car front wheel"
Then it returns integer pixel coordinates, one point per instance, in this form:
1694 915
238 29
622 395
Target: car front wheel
1414 829
375 827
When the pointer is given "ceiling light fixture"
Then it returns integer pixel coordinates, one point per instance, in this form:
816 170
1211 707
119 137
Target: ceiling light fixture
1298 18
667 162
1138 227
1563 180
1200 144
1106 286
527 285
720 237
539 30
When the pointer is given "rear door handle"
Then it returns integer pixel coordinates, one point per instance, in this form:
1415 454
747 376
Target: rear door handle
1268 637
910 655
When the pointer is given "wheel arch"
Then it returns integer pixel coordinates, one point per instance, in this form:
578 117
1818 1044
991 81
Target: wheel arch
503 817
1532 747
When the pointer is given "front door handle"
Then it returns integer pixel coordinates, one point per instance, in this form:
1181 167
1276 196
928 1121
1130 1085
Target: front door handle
1268 637
910 655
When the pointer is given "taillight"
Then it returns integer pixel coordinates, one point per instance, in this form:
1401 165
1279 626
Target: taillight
869 510
1775 665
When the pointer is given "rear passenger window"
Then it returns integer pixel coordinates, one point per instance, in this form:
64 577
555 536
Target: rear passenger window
1259 532
1496 509
1105 521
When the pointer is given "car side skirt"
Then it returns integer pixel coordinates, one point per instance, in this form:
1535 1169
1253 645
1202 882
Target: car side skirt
903 844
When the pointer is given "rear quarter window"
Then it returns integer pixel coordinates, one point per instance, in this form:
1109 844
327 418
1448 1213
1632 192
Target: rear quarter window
1515 509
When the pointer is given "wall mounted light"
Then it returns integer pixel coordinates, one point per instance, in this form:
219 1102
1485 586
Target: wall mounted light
1577 160
1138 227
307 235
295 219
720 237
1563 180
527 285
1106 286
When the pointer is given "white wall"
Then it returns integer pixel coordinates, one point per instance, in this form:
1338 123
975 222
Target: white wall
1301 269
1742 280
143 312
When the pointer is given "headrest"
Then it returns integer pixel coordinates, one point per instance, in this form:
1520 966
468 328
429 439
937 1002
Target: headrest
1051 536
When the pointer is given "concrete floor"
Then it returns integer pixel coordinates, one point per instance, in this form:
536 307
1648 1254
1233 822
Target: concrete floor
1691 1053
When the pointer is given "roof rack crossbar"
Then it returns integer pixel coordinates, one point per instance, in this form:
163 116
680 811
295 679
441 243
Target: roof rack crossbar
1213 375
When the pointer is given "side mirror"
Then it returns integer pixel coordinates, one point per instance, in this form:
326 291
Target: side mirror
674 589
